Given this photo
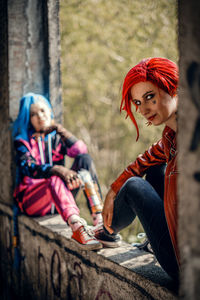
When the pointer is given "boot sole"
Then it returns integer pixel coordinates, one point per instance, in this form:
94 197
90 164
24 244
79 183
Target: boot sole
89 246
110 244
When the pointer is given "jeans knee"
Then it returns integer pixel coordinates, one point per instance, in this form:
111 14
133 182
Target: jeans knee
133 184
84 158
131 192
135 189
82 161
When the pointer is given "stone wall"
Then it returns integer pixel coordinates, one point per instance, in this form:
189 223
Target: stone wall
189 147
5 145
34 52
30 62
49 265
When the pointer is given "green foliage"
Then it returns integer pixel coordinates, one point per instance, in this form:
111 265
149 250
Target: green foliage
100 41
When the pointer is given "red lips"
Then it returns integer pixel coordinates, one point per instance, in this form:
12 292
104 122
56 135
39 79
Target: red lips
151 118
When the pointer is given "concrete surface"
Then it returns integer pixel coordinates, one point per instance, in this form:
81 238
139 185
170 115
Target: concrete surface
189 147
54 267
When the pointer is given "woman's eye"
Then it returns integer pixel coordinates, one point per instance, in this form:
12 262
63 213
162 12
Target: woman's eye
137 102
32 115
150 96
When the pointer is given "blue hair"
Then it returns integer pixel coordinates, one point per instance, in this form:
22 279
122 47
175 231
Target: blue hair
22 127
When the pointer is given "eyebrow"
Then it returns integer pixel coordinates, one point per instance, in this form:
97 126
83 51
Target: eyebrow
146 93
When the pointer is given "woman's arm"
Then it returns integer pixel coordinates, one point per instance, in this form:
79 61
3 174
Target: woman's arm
153 156
28 167
107 212
71 145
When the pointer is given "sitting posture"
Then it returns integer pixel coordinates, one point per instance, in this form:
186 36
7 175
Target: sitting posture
43 182
151 86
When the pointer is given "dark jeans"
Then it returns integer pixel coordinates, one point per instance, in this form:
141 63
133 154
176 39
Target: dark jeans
138 197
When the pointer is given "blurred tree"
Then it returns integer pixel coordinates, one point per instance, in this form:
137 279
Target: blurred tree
100 41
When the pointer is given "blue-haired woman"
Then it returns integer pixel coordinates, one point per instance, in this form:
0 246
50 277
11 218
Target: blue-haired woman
43 181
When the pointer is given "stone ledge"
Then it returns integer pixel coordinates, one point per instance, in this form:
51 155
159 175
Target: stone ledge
127 256
50 256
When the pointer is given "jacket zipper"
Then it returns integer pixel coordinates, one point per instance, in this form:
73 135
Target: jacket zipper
169 230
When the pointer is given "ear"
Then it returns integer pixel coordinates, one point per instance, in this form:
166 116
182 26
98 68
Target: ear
175 97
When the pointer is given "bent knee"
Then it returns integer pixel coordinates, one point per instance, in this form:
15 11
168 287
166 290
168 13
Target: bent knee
133 183
84 161
83 156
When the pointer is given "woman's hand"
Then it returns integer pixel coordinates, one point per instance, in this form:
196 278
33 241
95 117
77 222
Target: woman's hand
64 133
108 210
45 130
69 176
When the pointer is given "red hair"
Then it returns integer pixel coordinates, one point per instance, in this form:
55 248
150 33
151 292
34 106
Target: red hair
160 71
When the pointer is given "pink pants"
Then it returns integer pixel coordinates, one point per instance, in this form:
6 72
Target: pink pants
41 193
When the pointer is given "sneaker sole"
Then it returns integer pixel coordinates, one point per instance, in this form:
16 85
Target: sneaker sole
89 246
110 244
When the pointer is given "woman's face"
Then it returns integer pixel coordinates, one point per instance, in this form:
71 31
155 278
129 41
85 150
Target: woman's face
40 116
157 106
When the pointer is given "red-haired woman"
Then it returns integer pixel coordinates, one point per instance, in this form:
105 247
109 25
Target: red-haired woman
151 86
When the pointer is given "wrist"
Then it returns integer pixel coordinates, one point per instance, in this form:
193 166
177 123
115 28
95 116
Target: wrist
56 126
64 133
111 193
56 169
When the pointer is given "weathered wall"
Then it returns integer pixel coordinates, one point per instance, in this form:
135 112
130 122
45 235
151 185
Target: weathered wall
34 52
5 149
189 147
53 267
30 42
30 62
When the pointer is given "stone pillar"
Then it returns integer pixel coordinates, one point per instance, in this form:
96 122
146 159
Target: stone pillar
30 62
189 147
34 52
5 152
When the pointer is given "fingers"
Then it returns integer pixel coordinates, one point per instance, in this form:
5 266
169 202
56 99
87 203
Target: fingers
109 229
47 130
44 131
107 220
72 181
108 210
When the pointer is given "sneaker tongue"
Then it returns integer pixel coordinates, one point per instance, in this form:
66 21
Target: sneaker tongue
88 231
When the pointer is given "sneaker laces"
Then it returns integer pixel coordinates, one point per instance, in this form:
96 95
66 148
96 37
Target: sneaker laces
87 228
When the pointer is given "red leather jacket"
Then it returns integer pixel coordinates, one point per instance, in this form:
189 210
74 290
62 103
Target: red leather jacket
164 151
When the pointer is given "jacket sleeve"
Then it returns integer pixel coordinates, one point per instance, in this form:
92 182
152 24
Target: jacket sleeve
27 164
79 147
155 155
72 146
